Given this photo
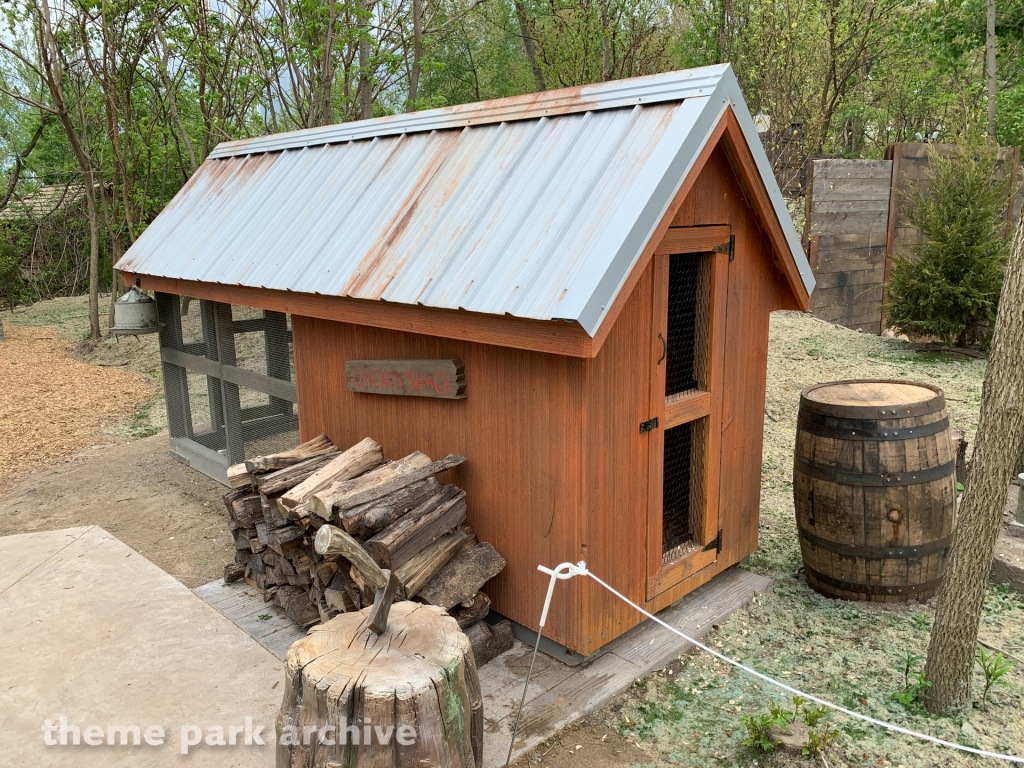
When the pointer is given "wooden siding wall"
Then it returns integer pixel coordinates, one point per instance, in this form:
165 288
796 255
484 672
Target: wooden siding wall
848 214
557 466
520 427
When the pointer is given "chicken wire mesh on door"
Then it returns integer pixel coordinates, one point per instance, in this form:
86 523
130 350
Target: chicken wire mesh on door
228 375
689 311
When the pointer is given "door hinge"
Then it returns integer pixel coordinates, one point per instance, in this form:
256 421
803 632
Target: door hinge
716 544
650 424
729 247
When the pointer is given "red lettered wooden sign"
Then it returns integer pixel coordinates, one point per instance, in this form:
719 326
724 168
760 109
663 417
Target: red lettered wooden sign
418 378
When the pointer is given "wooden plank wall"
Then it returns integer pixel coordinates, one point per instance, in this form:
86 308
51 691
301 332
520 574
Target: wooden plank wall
847 221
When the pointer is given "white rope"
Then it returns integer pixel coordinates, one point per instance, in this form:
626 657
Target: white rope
581 568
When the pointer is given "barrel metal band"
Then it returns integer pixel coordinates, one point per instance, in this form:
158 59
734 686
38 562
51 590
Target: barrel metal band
873 589
868 429
875 480
909 552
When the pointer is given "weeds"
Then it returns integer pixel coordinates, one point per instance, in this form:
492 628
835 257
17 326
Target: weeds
995 668
759 727
914 684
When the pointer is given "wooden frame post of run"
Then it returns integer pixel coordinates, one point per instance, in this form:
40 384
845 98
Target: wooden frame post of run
677 410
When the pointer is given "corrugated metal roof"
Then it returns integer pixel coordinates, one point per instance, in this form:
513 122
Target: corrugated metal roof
536 207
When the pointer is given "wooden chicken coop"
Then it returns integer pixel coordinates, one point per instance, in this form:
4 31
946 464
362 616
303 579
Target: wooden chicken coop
571 288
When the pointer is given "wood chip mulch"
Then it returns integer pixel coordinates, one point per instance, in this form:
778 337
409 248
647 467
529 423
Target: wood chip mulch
51 405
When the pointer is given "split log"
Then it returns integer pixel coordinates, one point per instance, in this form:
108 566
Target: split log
361 457
317 446
339 600
294 601
419 674
233 572
285 479
271 516
282 540
489 640
368 519
243 507
379 483
420 569
441 513
334 541
472 611
463 576
239 476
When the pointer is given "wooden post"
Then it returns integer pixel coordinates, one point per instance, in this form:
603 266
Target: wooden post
179 414
408 697
229 391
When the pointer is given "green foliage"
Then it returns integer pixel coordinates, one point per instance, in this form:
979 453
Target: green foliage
759 728
950 287
915 686
817 743
10 274
995 668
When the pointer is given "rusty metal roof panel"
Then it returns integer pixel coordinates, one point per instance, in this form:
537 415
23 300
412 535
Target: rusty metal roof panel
541 216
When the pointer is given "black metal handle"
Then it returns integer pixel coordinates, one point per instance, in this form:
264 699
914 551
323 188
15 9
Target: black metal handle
664 348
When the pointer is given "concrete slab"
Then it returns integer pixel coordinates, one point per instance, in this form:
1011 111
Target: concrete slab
95 633
558 693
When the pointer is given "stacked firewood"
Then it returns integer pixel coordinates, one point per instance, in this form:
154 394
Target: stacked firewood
404 519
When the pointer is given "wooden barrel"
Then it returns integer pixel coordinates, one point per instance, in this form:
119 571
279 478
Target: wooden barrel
874 489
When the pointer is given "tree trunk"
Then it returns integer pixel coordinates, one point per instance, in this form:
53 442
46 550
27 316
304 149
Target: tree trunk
365 84
408 697
990 65
417 54
954 635
529 44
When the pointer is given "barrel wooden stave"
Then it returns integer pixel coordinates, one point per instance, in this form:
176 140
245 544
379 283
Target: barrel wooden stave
846 523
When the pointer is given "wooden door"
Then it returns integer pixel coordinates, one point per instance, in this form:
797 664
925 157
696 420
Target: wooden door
690 305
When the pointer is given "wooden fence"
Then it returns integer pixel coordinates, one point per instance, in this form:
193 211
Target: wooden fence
856 223
847 219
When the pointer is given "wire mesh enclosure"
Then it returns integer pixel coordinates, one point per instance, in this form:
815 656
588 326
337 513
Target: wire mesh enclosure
228 377
689 296
686 374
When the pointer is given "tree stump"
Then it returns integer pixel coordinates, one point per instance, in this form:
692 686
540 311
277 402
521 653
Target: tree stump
409 697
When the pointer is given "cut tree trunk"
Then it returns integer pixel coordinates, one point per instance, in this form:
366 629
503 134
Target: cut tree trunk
379 483
461 579
441 513
317 446
418 675
360 458
954 637
368 519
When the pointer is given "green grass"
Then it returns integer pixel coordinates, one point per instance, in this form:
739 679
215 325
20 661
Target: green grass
842 651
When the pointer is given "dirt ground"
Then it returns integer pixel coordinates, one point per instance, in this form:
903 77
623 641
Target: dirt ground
688 714
135 490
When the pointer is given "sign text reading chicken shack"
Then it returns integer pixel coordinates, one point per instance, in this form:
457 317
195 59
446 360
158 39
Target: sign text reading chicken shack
417 378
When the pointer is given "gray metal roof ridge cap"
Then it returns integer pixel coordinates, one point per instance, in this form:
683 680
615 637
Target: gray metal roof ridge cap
650 89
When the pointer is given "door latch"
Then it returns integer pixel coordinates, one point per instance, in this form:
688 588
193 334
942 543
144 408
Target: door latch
649 425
